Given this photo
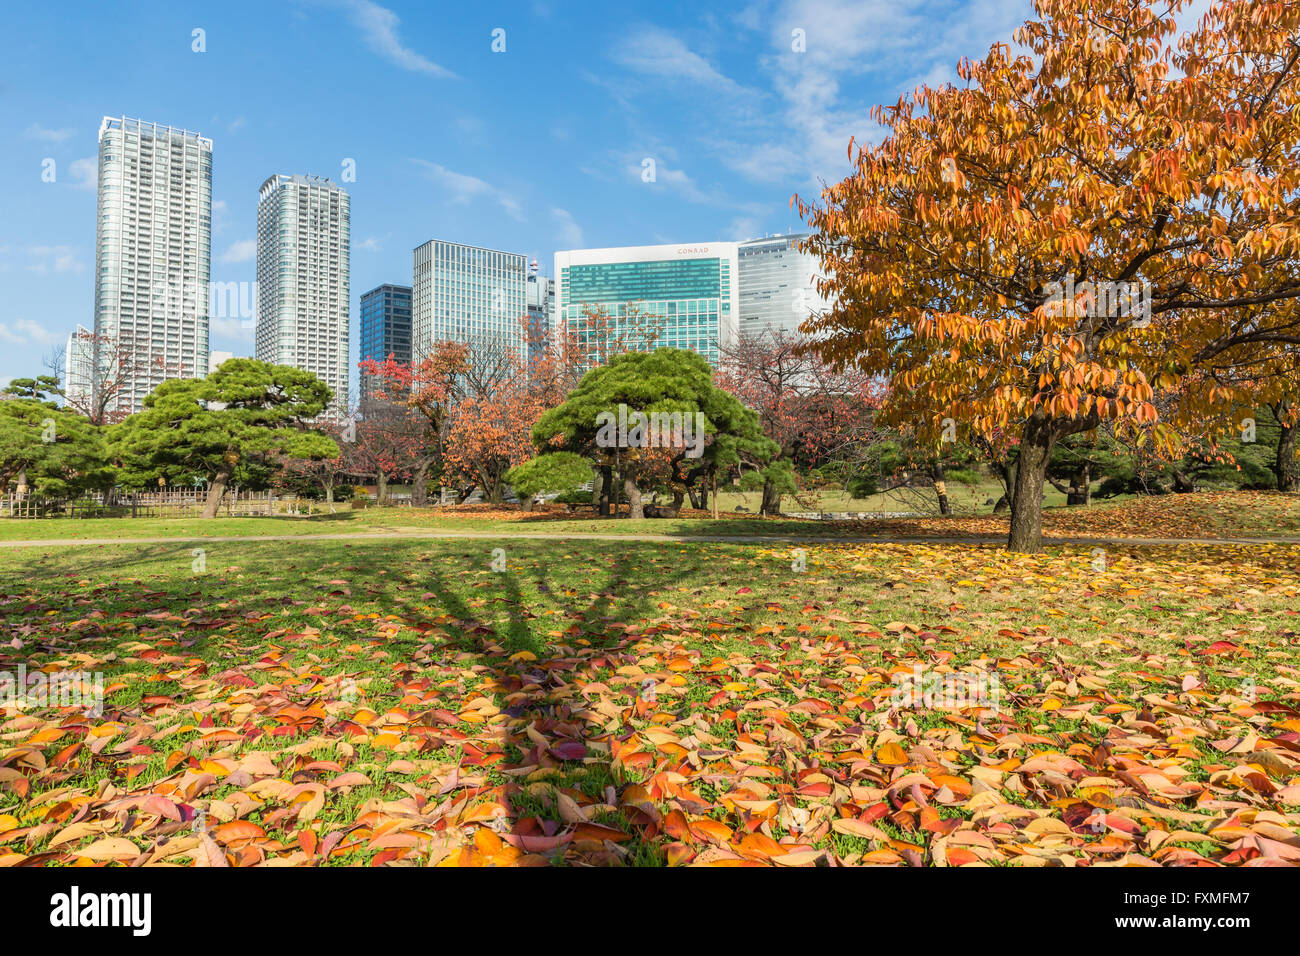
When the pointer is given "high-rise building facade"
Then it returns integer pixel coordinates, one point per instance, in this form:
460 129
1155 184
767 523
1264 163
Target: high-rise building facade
153 239
776 285
467 294
689 289
79 368
541 308
303 247
385 329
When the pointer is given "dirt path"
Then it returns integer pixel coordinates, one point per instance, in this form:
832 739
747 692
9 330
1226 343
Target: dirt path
421 534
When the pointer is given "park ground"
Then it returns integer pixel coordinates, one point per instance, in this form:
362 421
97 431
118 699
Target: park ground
384 697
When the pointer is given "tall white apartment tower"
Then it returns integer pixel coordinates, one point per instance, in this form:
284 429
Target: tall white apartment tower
303 243
468 294
777 285
153 239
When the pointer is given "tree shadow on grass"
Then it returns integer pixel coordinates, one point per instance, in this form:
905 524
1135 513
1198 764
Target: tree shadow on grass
552 733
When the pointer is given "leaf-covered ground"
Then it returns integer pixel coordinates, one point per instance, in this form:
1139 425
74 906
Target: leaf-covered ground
402 703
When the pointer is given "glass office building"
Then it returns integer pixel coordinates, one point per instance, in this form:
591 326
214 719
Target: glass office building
385 329
690 290
468 294
303 257
776 285
541 309
153 241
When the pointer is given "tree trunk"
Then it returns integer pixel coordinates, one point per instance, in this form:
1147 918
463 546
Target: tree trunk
634 507
1003 504
217 490
940 489
420 487
771 499
1285 467
1080 492
381 487
1036 443
679 496
606 482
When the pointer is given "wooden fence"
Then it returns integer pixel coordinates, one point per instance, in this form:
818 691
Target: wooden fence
154 504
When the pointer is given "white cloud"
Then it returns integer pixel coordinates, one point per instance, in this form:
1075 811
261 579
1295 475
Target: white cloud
379 27
27 332
656 52
845 40
244 250
53 259
39 132
568 231
465 188
84 173
370 244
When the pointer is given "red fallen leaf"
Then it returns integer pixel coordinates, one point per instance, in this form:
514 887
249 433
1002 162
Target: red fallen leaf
569 750
959 856
930 820
874 812
309 842
745 591
638 760
1220 647
597 831
64 755
815 790
163 807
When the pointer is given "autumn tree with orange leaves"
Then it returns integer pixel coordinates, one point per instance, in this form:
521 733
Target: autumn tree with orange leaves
1111 211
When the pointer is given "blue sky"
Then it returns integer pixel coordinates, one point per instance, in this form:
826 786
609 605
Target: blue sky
531 150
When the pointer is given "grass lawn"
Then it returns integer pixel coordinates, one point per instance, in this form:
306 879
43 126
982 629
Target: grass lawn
1205 514
403 703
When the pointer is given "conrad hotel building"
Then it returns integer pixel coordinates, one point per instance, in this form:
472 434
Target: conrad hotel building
689 290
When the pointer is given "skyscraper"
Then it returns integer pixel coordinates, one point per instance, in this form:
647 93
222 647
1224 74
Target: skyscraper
689 289
467 294
153 242
303 244
541 309
78 368
776 285
385 329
